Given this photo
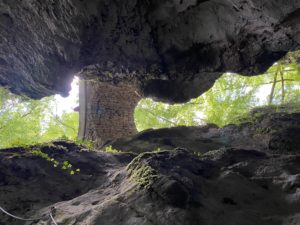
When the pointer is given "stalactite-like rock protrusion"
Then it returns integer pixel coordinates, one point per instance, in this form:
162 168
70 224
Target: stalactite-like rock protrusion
173 49
106 111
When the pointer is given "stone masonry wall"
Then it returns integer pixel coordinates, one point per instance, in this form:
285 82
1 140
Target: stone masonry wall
107 111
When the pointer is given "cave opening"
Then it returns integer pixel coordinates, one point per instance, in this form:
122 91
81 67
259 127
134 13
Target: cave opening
230 99
101 112
24 121
224 161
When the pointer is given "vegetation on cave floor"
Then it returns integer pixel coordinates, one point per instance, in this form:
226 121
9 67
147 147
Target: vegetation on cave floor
230 99
54 153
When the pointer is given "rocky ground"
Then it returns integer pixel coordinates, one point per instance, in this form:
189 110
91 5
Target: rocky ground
246 174
264 129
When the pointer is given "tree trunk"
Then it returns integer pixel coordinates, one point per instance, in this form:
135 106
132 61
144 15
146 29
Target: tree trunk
282 86
106 111
273 88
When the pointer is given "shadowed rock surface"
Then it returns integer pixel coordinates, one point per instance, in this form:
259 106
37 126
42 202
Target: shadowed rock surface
242 185
174 50
265 129
29 182
246 174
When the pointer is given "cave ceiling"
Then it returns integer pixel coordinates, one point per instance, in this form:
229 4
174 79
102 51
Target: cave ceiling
173 50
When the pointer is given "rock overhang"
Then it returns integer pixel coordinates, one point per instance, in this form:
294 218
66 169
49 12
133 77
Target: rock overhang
172 50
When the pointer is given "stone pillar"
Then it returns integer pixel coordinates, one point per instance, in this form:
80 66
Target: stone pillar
106 111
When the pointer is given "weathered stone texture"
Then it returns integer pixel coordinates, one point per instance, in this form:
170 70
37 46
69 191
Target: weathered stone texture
108 111
168 47
230 185
275 129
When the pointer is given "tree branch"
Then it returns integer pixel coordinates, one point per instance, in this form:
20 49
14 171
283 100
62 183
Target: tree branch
282 87
56 118
273 87
277 81
157 116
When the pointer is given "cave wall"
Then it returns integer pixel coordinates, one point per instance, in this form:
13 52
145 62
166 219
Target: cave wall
167 47
246 174
106 111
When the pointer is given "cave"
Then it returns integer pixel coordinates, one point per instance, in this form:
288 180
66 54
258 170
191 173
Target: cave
170 51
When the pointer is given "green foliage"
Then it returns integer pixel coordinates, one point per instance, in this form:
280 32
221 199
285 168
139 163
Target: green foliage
24 121
38 152
66 165
88 144
230 99
140 172
157 150
20 119
110 149
231 96
149 114
64 127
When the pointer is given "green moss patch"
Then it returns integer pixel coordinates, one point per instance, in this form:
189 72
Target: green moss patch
141 172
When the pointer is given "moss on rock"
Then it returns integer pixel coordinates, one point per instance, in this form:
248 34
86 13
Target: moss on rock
141 172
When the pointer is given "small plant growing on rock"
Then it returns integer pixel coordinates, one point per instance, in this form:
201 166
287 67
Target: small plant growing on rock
38 152
110 149
141 172
198 154
88 144
66 165
157 150
261 130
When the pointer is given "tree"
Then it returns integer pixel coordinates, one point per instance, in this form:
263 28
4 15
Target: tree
24 121
231 97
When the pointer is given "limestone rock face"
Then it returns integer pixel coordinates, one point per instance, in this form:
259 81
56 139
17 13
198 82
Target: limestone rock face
29 182
264 130
173 49
228 186
242 184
